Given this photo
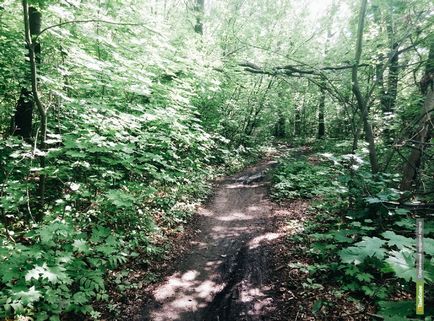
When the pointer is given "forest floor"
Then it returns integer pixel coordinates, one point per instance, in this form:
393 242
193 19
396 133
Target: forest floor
233 261
225 274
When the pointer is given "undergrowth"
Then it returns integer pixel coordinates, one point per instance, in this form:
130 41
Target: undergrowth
112 202
358 240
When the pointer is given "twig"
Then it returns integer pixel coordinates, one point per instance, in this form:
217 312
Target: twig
377 316
9 236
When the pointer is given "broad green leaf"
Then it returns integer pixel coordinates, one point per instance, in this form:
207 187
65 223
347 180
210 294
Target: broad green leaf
52 274
370 246
403 264
398 240
396 310
30 296
80 245
120 199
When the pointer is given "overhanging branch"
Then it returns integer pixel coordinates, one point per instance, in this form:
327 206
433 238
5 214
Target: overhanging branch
293 70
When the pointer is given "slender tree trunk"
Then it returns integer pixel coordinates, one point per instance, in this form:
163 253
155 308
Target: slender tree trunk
33 49
393 59
322 99
321 110
389 93
21 124
361 101
279 127
297 122
199 9
388 100
254 120
23 118
424 133
300 119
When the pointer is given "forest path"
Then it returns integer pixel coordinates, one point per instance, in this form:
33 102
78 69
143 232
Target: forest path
226 275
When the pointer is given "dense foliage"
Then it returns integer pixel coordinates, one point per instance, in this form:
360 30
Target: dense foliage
115 116
359 237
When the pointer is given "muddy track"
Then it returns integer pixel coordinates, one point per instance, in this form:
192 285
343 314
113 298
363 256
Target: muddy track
226 275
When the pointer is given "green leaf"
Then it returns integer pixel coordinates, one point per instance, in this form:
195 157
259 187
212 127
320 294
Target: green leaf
370 246
396 310
364 277
30 296
74 187
402 211
428 246
80 245
80 298
398 240
34 273
403 264
52 274
341 236
317 306
120 199
100 233
373 200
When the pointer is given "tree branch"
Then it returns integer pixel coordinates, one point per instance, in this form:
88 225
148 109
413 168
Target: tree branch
290 70
98 21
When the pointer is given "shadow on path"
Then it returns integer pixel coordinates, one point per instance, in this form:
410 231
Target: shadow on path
225 276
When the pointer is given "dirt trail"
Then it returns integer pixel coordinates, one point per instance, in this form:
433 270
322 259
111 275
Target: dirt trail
225 276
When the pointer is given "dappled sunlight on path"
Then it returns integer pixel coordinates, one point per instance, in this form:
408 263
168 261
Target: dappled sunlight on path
224 276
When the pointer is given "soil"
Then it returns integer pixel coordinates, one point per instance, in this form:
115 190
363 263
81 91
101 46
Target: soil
234 263
226 274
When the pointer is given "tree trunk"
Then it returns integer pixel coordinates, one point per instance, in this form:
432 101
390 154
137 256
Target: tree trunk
34 49
321 106
23 117
254 120
321 122
300 119
279 127
199 9
361 101
389 93
297 122
424 133
388 99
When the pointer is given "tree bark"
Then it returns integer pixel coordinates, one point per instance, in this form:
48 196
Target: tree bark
321 110
23 117
361 101
388 99
297 122
22 121
30 28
